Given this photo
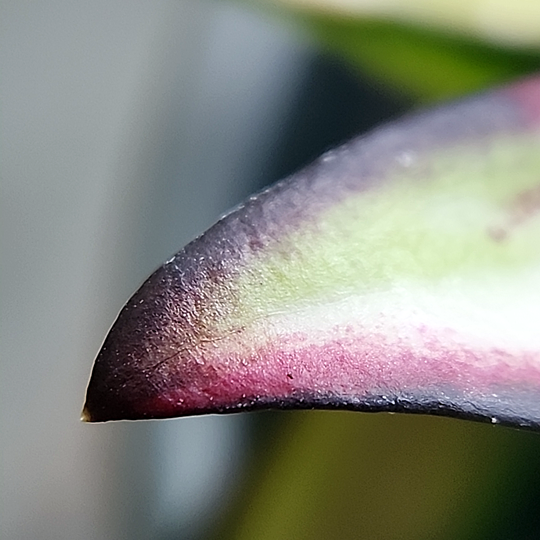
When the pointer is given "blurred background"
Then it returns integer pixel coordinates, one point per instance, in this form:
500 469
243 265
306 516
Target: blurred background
127 128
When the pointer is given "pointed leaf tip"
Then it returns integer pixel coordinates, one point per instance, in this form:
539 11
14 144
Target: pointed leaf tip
85 415
400 272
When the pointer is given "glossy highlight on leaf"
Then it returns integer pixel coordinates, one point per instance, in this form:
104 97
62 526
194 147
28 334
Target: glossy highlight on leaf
399 272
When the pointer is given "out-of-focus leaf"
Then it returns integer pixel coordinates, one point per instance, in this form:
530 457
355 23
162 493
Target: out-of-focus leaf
421 63
511 23
353 476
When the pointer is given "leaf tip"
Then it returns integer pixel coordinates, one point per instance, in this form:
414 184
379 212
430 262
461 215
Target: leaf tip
86 417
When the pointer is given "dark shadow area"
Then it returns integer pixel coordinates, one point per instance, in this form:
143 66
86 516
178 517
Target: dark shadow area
333 105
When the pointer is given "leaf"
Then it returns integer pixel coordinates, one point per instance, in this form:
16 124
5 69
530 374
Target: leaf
503 22
354 476
400 272
511 23
420 62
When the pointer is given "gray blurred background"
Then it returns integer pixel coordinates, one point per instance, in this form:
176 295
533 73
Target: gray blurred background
127 128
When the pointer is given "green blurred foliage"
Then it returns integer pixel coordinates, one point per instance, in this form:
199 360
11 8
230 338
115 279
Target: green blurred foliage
424 64
431 49
341 475
338 475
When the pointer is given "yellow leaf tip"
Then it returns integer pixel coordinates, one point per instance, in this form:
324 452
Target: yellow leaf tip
85 415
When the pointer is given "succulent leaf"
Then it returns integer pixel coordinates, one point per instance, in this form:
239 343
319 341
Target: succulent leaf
399 272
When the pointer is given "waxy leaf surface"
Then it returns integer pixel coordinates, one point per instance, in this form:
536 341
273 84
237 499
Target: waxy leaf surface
399 272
